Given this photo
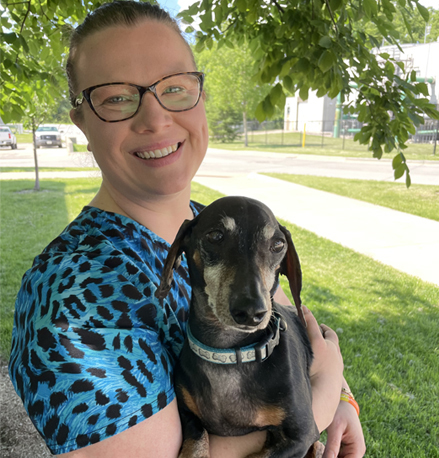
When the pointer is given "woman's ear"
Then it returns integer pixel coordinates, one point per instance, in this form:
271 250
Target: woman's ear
77 118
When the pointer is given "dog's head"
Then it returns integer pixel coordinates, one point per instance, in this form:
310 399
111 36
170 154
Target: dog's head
236 250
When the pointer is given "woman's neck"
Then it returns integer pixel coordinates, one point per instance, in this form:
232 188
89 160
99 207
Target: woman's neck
163 215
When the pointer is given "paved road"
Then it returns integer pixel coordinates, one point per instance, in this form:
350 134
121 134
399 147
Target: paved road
222 162
232 162
23 156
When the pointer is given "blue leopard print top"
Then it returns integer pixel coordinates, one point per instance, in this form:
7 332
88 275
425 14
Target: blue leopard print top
92 349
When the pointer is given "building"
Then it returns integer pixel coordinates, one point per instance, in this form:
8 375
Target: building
318 115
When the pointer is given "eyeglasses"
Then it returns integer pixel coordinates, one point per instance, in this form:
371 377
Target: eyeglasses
114 102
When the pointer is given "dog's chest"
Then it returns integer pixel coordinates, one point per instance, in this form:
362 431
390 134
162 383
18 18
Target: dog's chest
229 408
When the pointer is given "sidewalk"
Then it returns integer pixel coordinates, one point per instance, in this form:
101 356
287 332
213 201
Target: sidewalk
406 242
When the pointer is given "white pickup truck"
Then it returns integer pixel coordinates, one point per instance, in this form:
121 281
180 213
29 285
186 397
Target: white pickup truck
48 136
7 138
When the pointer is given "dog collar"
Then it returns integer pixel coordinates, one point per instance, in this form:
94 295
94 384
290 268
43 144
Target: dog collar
256 352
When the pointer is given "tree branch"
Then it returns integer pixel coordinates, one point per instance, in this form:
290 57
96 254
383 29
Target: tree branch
331 14
278 6
25 16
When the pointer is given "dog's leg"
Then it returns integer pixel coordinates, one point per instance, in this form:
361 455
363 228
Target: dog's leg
195 437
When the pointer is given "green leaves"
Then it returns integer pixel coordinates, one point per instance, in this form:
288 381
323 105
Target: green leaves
326 61
400 167
297 46
33 49
423 12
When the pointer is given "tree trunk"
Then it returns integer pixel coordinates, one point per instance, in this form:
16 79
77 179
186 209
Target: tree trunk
244 120
37 178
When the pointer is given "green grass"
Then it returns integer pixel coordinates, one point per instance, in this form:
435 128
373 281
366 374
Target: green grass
24 138
386 320
292 143
77 148
419 200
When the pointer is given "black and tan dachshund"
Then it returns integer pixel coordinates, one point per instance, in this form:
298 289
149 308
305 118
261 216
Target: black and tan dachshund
245 363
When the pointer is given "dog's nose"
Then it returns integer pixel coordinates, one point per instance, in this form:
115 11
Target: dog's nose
248 311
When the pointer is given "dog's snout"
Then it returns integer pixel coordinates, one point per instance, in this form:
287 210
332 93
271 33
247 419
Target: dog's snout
248 311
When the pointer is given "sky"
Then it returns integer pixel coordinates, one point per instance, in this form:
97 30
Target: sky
174 6
433 3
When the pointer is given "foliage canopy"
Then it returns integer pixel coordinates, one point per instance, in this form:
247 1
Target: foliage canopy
327 46
297 45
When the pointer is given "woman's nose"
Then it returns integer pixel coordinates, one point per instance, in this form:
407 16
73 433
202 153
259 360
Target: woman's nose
151 115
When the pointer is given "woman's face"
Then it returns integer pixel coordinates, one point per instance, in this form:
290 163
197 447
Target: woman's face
141 54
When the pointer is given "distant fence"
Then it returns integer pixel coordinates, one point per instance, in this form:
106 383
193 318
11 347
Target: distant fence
325 133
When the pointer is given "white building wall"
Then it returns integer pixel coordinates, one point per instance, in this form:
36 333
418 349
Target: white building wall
424 58
299 112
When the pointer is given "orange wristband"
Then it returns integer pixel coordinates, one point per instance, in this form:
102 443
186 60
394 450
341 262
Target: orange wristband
348 397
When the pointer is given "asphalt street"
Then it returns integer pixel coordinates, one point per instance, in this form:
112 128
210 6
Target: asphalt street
226 162
221 162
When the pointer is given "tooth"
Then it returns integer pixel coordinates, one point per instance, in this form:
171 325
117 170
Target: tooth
151 154
174 148
141 155
164 152
147 156
169 149
158 153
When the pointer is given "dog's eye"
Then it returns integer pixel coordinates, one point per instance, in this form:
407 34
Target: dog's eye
215 236
277 246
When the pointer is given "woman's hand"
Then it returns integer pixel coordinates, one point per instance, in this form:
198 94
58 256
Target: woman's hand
345 436
326 371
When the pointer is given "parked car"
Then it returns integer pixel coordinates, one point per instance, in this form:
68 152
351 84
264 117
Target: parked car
7 138
48 136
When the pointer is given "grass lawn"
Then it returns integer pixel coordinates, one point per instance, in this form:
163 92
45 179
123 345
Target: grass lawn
386 320
24 138
419 200
292 143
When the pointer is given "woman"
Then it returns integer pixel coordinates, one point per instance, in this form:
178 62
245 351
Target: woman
93 351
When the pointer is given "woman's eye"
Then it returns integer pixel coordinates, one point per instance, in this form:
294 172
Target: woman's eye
116 100
277 246
215 236
173 90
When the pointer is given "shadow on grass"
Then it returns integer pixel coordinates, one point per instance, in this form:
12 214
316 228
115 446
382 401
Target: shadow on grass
30 220
391 356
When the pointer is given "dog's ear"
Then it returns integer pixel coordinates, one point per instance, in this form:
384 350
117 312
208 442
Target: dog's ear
174 257
290 267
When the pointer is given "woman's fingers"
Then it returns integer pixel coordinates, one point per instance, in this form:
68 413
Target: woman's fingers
312 327
329 334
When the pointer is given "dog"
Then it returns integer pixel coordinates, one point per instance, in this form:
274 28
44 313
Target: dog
245 363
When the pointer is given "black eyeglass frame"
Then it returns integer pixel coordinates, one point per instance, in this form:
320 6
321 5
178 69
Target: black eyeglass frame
86 94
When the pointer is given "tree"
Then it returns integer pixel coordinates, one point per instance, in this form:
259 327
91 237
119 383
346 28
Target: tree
411 26
324 45
33 45
232 95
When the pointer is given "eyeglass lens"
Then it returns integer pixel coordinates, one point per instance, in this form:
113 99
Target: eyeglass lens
116 102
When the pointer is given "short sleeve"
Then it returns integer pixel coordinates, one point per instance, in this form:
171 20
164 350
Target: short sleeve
93 349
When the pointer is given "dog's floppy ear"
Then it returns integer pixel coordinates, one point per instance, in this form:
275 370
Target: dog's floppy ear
174 257
290 267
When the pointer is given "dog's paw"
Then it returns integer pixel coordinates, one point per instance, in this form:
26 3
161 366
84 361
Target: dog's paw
316 451
193 448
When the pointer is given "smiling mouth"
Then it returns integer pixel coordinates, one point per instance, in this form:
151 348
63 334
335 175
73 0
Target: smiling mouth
158 153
